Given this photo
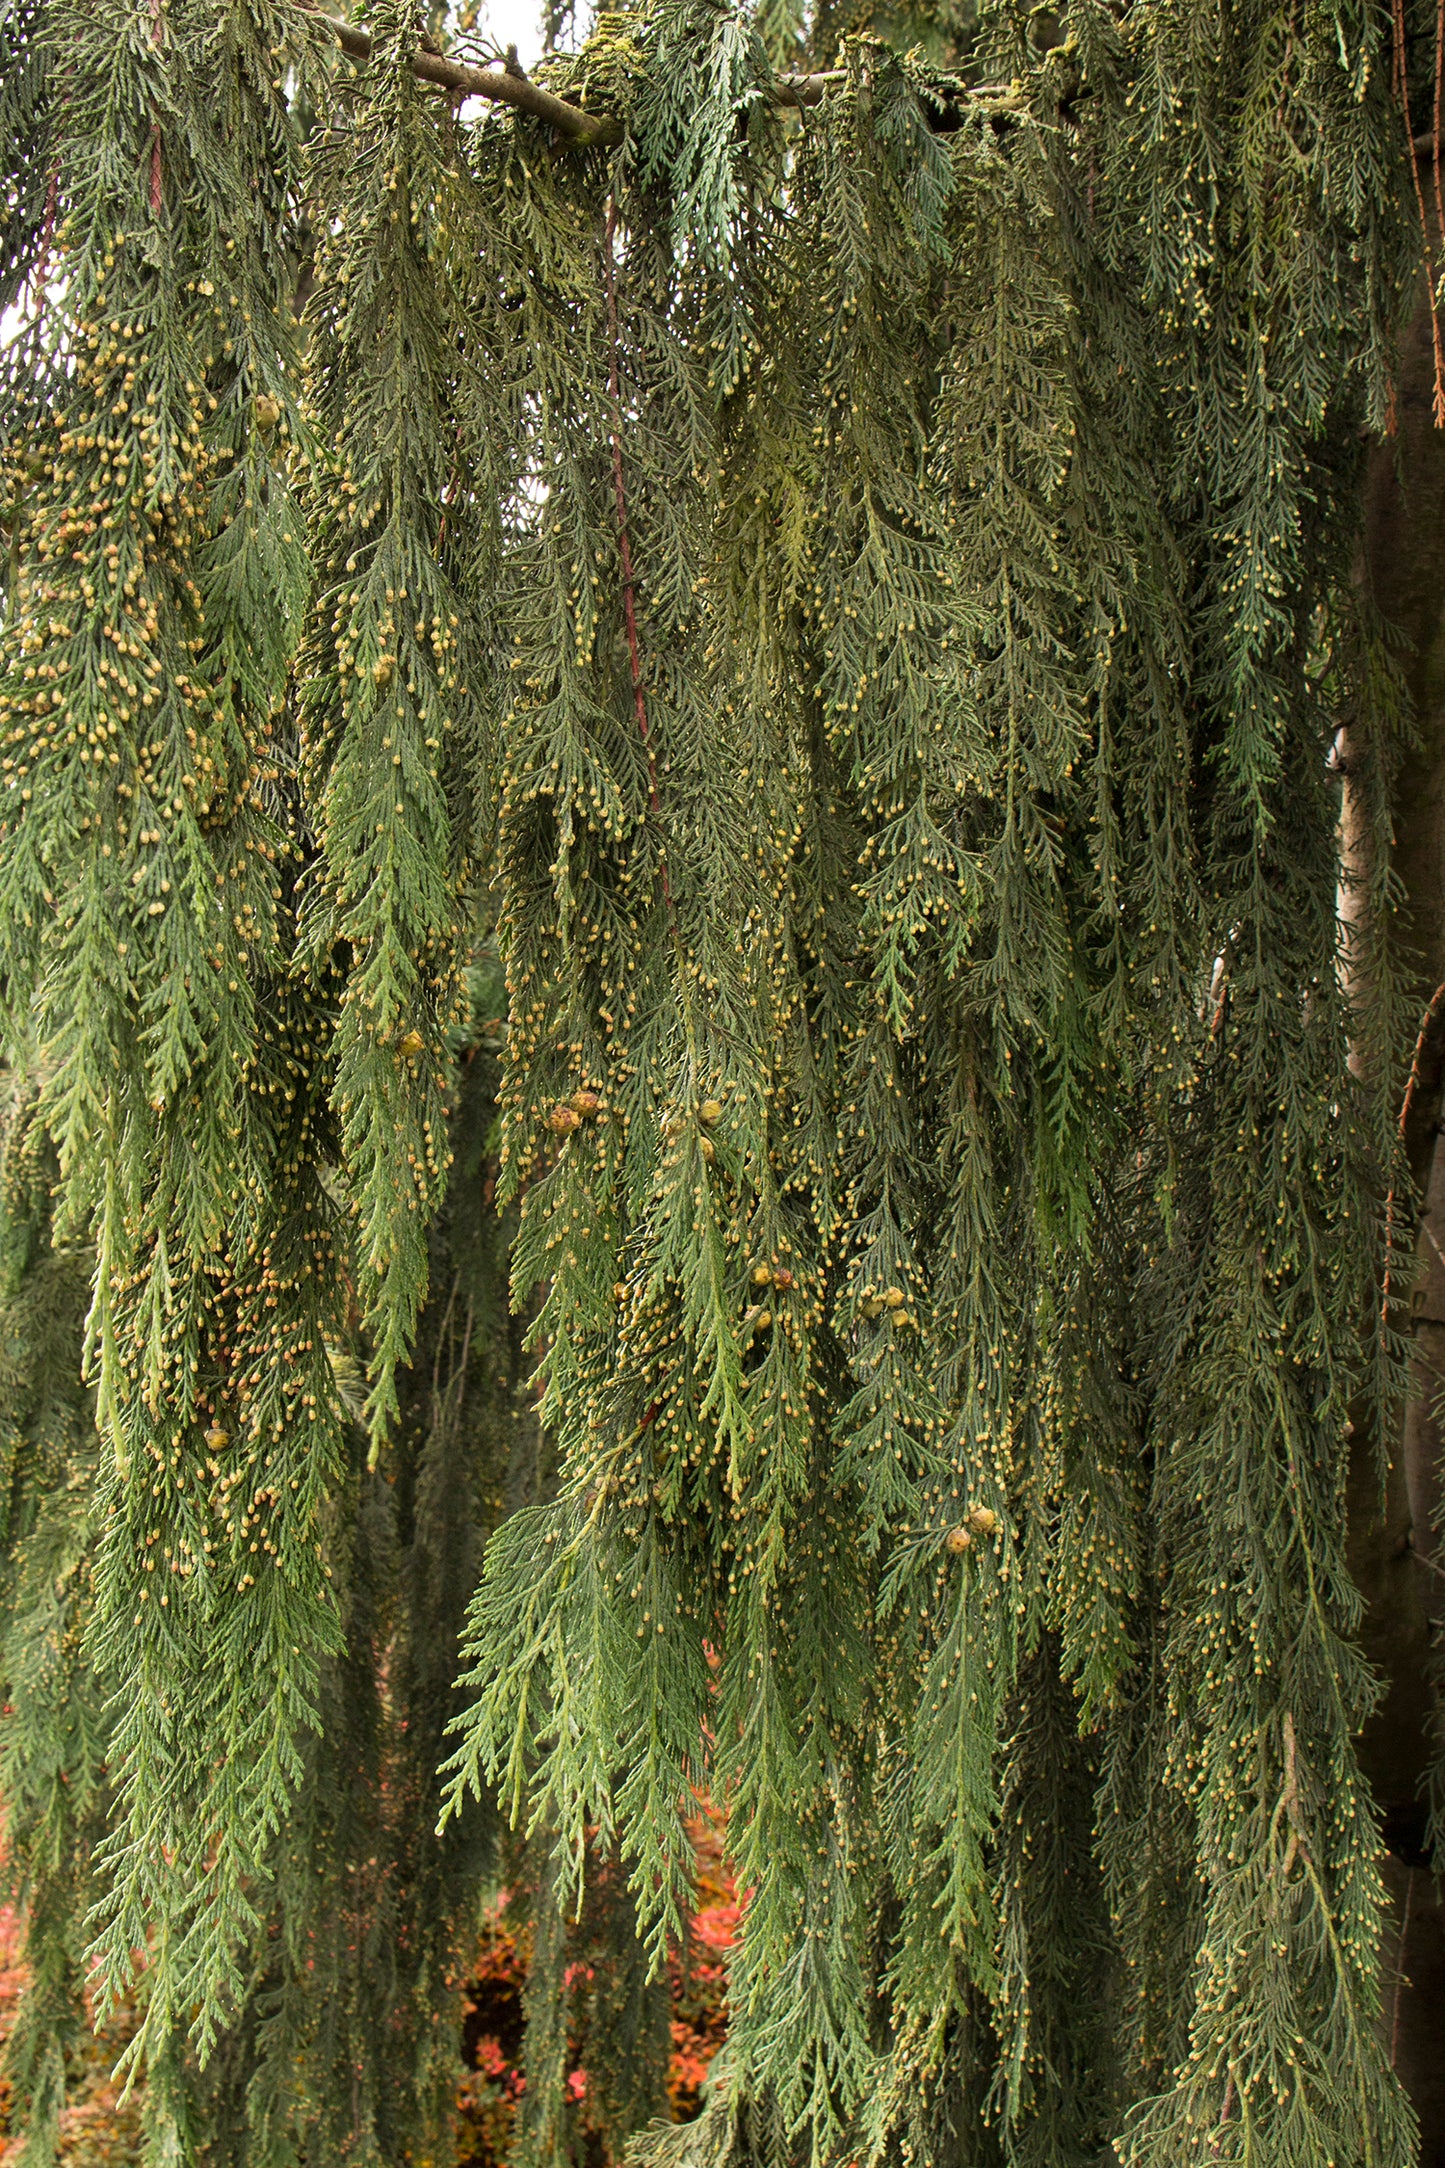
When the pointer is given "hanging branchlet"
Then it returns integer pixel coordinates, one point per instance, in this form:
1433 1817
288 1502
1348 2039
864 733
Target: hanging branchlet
388 758
161 569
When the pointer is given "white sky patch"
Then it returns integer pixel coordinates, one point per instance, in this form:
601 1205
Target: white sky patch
513 22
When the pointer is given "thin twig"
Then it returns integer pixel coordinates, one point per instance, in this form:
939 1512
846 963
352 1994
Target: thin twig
1409 1100
1224 2114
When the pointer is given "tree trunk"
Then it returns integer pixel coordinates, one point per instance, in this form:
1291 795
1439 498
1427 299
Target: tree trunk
1391 1553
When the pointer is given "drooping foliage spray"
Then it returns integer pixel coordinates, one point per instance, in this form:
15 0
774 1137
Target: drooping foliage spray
809 566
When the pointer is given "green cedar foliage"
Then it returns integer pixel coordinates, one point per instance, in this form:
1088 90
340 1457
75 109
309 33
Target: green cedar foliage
871 584
156 602
53 1762
346 2046
342 2039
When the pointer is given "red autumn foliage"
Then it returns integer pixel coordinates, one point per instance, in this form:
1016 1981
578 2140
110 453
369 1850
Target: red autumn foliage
697 1991
97 2132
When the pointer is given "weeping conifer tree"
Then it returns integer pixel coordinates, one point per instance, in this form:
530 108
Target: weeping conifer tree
727 689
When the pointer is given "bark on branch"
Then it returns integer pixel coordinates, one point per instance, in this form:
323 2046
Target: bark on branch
506 87
498 84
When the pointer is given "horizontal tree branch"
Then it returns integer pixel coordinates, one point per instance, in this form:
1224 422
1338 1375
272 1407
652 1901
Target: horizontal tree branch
505 86
498 84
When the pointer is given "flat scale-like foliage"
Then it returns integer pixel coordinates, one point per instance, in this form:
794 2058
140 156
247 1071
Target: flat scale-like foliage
847 580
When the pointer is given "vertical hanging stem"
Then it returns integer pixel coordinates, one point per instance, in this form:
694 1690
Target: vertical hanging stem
624 545
1403 83
47 236
155 162
1414 1078
1400 1967
1435 133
